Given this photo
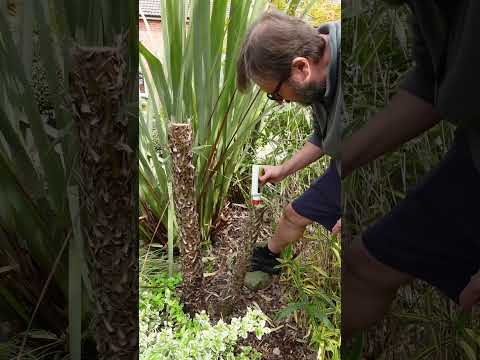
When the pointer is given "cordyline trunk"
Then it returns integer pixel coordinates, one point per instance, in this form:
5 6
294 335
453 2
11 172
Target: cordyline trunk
250 233
180 143
108 176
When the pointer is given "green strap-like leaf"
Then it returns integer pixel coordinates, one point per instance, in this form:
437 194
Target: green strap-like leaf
75 264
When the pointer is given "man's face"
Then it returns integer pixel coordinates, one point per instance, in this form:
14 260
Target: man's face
302 91
306 84
308 93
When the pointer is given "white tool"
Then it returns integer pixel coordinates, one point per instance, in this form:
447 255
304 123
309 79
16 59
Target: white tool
256 194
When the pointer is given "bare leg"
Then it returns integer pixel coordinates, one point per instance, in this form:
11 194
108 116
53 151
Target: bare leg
368 289
290 228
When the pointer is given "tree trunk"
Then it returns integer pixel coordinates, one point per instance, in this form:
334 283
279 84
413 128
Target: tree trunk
250 232
180 143
98 84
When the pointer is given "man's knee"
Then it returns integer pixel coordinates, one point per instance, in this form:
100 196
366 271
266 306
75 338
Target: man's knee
362 268
293 217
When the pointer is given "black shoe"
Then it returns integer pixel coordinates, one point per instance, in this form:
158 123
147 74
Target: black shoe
264 260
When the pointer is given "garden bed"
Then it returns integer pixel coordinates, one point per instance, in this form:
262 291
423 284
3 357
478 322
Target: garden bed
288 340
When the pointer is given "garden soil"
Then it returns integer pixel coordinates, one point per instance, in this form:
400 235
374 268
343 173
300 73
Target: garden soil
288 341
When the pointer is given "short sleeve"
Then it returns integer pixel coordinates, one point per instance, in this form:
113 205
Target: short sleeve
420 80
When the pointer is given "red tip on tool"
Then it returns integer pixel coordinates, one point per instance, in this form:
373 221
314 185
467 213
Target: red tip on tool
256 202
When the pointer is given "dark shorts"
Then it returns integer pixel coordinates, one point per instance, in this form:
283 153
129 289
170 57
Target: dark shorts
433 234
321 201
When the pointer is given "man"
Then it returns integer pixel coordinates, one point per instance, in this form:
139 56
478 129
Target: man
432 234
292 61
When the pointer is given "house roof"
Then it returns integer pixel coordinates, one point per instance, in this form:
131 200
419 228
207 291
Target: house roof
150 8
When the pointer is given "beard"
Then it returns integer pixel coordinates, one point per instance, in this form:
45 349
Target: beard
310 93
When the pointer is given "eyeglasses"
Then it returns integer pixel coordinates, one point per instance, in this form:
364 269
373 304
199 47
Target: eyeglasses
275 95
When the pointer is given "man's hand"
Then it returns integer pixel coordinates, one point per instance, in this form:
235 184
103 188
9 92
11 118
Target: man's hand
471 294
305 156
272 174
337 229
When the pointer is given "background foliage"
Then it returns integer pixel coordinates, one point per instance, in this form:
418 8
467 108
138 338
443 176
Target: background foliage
45 292
317 12
270 135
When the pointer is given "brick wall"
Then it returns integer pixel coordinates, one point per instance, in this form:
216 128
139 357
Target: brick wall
155 43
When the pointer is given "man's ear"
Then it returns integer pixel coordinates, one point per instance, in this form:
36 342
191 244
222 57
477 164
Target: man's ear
301 70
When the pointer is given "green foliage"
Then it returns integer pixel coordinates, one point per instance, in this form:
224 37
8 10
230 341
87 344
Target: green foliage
158 302
166 332
230 156
202 340
278 137
315 11
314 284
47 286
195 82
312 278
37 184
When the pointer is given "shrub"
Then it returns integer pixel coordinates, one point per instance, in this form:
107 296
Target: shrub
166 332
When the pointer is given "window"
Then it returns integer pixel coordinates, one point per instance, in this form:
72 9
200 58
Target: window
142 89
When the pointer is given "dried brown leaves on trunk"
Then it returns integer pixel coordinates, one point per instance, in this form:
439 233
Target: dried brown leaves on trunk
108 178
250 231
183 171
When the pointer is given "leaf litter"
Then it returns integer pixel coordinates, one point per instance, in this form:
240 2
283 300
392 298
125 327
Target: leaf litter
287 341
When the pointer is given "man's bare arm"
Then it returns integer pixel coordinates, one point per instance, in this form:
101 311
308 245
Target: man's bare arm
405 117
471 293
302 158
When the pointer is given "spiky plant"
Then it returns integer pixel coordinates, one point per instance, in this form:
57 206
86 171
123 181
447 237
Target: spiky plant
42 286
45 280
194 82
183 173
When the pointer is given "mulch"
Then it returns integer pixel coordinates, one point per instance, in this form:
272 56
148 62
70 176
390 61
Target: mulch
288 341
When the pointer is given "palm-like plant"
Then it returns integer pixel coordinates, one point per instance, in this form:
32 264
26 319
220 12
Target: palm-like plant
195 85
36 162
44 274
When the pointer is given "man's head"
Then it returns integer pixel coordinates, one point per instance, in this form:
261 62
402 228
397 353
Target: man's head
286 57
